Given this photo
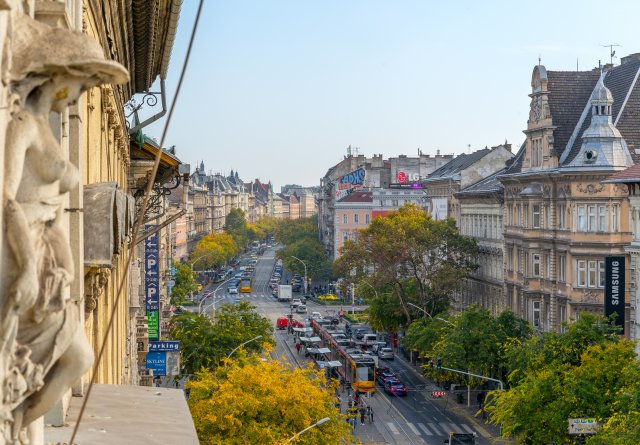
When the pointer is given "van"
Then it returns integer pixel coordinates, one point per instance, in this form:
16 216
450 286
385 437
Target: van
369 339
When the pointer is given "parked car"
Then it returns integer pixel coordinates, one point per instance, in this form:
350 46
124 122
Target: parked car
385 353
395 388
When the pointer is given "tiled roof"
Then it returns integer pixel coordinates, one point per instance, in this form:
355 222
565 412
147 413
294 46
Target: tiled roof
569 92
514 165
632 174
358 197
457 164
619 81
489 185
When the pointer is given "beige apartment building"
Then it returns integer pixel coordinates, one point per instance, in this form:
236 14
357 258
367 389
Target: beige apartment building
561 217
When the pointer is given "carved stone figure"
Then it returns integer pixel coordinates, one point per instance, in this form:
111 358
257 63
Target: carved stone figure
42 345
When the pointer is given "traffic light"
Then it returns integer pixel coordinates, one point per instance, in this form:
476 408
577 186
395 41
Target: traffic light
439 363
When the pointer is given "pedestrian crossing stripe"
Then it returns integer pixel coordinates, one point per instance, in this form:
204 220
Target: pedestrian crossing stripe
445 429
435 429
466 428
424 428
393 428
414 429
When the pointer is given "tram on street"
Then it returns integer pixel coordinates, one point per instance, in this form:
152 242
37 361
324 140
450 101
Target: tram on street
245 285
358 369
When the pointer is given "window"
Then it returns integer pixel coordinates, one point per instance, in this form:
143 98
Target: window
356 218
345 235
600 273
536 216
525 215
536 153
394 202
536 314
562 267
535 262
582 273
345 218
367 218
615 217
561 216
592 218
592 273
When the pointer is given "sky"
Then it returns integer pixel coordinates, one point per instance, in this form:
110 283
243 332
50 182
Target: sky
278 89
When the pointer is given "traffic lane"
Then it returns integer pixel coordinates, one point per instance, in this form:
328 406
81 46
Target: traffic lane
419 407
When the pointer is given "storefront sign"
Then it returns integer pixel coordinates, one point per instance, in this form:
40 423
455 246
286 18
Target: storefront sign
614 289
157 362
152 283
164 346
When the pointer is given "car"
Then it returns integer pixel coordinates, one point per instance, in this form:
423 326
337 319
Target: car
296 287
377 345
359 333
385 353
395 388
232 290
461 439
316 316
301 309
295 302
383 376
238 275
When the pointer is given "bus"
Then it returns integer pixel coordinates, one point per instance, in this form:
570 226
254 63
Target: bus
357 368
245 285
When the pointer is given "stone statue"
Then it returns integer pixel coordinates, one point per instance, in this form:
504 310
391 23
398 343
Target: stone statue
43 349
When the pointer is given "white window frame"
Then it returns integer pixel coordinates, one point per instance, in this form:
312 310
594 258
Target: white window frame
535 265
615 217
535 314
603 217
592 273
562 268
535 216
367 219
562 214
581 215
581 273
601 274
356 218
592 217
345 218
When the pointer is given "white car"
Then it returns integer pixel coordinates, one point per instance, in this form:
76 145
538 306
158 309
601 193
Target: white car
296 302
316 316
385 353
301 309
232 290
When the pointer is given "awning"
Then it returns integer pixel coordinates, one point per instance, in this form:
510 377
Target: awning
302 329
313 350
334 364
310 339
324 350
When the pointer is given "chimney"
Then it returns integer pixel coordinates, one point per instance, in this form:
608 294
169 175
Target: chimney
438 152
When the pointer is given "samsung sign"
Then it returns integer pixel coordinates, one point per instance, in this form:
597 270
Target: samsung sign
614 289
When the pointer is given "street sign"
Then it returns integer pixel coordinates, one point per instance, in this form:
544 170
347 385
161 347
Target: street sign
583 426
164 346
157 362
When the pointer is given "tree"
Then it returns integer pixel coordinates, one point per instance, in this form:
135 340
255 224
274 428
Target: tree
185 284
204 342
264 402
268 224
235 224
423 260
311 251
585 372
214 250
605 385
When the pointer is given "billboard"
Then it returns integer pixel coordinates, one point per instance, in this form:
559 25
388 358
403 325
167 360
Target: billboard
614 269
350 182
438 208
152 283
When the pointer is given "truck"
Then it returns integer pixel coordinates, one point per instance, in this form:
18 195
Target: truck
284 292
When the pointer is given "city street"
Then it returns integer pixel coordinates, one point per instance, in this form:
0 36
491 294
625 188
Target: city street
415 419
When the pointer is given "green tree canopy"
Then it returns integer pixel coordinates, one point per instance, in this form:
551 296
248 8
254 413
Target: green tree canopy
311 251
265 402
424 261
235 224
185 284
205 342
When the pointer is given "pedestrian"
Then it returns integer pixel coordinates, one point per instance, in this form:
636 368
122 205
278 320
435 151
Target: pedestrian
348 389
370 413
362 414
298 348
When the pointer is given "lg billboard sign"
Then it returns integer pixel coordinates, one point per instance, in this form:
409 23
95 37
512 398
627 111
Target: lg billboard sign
403 177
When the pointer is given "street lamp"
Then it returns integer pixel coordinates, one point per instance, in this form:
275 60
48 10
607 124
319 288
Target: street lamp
371 286
241 345
305 272
192 263
318 423
429 315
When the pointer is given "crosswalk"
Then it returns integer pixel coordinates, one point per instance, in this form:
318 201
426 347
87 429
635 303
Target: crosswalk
432 429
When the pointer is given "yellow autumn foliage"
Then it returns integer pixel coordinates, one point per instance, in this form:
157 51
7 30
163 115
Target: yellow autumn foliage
264 402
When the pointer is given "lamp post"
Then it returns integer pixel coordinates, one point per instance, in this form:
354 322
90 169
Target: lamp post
429 315
371 286
318 423
305 272
241 345
192 263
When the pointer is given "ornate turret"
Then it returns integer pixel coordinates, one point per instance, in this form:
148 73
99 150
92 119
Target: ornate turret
603 147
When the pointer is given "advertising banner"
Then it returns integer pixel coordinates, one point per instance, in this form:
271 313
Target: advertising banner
614 269
152 283
157 362
439 208
349 183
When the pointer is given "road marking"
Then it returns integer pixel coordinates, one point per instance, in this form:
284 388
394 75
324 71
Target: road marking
424 428
452 427
393 428
436 430
466 428
414 429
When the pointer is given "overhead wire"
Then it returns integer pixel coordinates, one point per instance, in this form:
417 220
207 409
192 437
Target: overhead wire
137 226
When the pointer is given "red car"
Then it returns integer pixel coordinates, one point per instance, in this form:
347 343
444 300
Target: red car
283 323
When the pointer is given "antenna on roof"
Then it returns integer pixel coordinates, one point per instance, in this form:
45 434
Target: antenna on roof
468 148
612 52
539 59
